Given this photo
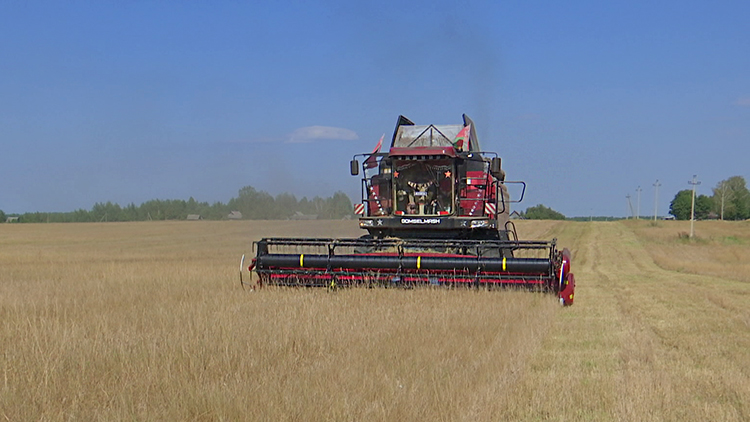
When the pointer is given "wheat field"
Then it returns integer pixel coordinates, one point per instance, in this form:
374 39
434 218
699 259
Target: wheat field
147 321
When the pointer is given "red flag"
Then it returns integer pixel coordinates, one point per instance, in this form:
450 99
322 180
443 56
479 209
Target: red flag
463 136
372 160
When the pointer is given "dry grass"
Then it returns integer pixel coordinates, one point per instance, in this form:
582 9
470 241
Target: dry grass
719 248
146 321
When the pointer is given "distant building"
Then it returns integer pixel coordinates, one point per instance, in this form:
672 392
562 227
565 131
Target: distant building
194 217
516 216
11 220
234 215
299 216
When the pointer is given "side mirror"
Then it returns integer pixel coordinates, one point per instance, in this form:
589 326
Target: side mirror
495 165
496 170
354 167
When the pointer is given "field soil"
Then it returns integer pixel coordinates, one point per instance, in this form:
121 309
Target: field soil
148 321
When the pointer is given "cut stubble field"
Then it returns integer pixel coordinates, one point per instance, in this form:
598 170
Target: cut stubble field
147 321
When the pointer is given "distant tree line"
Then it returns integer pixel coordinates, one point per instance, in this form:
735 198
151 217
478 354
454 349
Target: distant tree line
261 205
596 218
251 203
730 201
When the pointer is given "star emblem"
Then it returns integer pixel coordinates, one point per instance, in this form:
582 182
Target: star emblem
395 174
448 173
380 222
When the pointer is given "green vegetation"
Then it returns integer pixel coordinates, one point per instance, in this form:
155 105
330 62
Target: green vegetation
540 212
253 204
730 201
682 204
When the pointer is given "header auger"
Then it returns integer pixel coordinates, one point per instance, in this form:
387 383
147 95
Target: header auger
436 209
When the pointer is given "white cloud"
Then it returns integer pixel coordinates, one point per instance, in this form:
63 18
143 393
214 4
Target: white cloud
313 133
743 102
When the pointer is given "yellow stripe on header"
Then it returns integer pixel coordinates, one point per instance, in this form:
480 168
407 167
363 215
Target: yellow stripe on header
503 263
419 262
301 260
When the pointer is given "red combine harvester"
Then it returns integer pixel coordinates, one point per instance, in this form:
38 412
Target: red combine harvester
436 209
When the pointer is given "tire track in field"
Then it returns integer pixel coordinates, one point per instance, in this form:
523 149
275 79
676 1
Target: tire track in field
640 343
570 375
703 341
640 383
674 352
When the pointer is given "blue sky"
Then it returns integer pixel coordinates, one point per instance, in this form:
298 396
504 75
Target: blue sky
583 100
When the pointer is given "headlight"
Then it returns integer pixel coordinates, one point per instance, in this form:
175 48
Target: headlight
479 223
366 223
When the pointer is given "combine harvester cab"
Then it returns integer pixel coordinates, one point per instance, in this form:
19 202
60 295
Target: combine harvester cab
436 209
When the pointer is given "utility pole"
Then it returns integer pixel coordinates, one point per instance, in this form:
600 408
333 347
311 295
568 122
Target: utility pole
723 192
630 204
638 209
656 198
692 207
